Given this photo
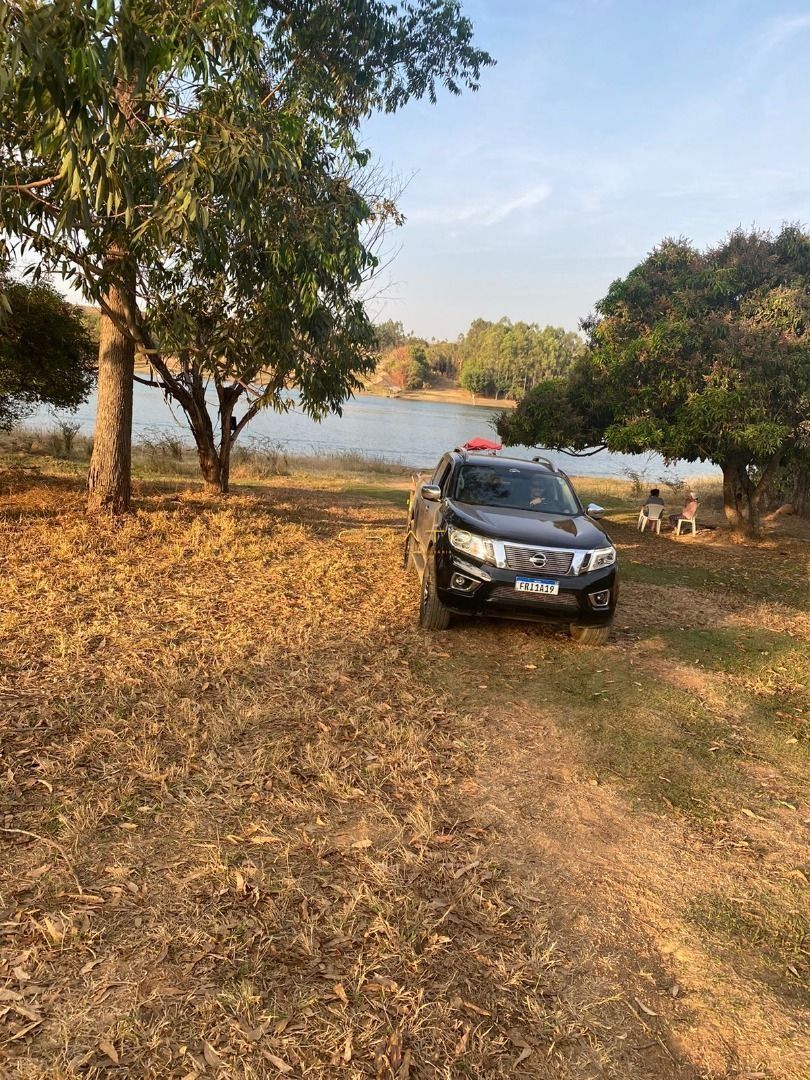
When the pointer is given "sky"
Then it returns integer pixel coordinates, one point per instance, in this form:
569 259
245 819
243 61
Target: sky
606 126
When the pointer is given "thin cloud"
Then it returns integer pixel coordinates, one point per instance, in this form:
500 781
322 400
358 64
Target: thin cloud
491 212
782 28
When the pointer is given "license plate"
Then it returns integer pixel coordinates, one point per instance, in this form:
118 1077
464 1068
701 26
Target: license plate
535 585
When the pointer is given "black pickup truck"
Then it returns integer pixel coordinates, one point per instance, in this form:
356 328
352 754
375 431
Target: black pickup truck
502 536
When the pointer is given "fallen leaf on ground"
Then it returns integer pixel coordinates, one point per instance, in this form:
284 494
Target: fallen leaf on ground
109 1050
461 1045
466 869
24 1031
210 1055
644 1008
282 1066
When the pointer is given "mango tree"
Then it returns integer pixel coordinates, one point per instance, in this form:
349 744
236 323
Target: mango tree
702 356
46 350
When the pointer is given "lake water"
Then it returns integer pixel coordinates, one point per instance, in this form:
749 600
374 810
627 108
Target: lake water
406 432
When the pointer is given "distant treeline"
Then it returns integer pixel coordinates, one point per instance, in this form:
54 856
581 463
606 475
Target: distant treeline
493 359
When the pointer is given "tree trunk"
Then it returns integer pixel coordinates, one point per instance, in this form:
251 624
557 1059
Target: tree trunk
742 498
225 469
733 496
754 499
800 497
109 478
225 444
210 465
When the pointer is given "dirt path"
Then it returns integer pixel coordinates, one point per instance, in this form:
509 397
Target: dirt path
674 909
613 879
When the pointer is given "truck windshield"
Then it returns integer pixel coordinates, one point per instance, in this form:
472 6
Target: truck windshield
515 487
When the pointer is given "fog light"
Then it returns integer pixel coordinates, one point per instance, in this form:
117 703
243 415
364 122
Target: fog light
461 582
600 599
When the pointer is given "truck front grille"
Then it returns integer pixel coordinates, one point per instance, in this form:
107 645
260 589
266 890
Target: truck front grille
556 562
561 602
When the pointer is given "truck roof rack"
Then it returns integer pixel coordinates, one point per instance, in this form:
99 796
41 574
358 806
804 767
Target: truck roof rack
545 461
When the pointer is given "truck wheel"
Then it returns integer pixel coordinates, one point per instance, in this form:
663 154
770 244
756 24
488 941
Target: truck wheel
590 635
433 615
407 562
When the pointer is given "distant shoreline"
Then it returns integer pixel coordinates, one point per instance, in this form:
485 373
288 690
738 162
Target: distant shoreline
446 395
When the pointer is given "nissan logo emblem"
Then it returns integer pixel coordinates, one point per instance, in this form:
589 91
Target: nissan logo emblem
538 560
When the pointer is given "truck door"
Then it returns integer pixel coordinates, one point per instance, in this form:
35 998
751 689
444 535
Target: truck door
428 512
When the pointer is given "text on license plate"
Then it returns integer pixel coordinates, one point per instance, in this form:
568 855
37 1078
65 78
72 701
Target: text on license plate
529 584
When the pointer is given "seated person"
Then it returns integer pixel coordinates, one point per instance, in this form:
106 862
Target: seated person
653 499
538 493
689 510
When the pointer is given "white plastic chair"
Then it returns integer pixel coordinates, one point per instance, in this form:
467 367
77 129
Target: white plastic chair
653 516
684 523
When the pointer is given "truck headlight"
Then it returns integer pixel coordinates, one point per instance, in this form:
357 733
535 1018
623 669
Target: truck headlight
602 557
476 546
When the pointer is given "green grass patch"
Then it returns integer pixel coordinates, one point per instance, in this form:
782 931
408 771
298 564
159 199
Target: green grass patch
631 726
380 493
755 584
683 576
770 932
728 650
602 498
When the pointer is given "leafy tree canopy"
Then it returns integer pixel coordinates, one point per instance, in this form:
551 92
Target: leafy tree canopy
697 355
183 163
506 359
389 334
493 358
132 120
407 365
46 351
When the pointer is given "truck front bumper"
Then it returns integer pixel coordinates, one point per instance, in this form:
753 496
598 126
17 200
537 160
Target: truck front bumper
472 588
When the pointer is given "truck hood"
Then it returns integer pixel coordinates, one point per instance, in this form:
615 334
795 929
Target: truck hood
528 526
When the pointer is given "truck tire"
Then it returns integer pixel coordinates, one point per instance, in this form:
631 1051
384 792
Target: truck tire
590 635
433 615
406 551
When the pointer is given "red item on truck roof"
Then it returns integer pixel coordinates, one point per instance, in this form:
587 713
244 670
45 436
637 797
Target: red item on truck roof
481 444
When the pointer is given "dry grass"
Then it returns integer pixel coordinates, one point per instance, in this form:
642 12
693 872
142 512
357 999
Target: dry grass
241 834
162 452
230 846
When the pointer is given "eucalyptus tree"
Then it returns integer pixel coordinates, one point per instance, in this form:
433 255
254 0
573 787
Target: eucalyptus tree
506 358
117 122
127 127
281 312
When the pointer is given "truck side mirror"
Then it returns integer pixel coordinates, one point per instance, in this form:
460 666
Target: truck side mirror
595 511
431 492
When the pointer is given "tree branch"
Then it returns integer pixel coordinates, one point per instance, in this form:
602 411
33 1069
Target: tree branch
30 185
768 472
574 453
